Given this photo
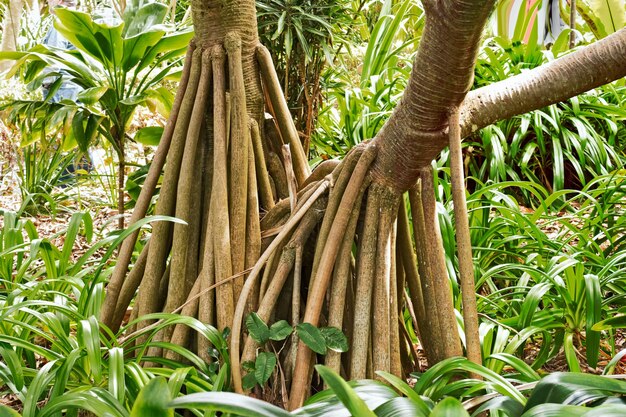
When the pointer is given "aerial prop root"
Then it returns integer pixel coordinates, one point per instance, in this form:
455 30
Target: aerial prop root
209 132
285 246
148 299
113 309
356 209
373 277
235 343
326 256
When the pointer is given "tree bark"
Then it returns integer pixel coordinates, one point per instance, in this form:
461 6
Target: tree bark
443 71
121 167
587 68
416 131
213 19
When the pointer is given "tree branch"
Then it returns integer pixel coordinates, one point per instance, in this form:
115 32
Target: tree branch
573 74
442 74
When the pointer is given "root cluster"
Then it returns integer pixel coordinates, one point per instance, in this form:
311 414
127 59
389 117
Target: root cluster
263 234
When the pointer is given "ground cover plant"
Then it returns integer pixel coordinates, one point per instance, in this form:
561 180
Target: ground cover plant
44 305
53 347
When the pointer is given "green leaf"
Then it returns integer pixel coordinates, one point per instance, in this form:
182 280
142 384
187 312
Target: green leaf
606 410
36 388
249 381
135 100
257 328
560 387
312 337
14 364
531 301
89 337
63 374
558 181
177 379
143 19
288 42
610 367
153 400
610 323
508 406
70 238
174 42
8 412
92 95
12 55
610 15
135 47
85 299
593 313
150 135
167 319
160 100
335 339
517 364
342 390
228 402
406 389
555 410
453 365
264 367
117 383
96 400
449 407
280 330
101 41
400 407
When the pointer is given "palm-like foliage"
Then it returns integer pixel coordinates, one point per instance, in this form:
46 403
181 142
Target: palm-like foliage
302 37
602 17
119 66
43 167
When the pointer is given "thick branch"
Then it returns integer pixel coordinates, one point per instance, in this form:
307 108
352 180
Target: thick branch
442 74
573 74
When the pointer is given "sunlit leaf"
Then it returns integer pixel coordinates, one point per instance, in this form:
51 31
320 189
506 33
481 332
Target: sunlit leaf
153 400
312 337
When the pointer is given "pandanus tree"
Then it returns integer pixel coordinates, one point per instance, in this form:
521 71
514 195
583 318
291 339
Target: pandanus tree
333 247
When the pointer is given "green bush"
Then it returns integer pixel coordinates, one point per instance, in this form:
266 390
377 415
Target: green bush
54 349
547 276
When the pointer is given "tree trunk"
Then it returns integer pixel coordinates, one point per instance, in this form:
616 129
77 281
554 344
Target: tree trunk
121 174
572 23
216 129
